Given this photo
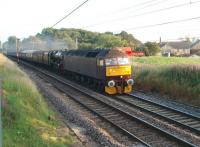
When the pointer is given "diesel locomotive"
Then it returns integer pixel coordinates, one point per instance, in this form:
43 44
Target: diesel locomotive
105 69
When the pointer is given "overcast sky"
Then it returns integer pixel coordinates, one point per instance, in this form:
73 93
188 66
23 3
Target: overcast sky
28 17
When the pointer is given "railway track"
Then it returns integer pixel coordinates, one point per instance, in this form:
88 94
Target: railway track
144 133
185 120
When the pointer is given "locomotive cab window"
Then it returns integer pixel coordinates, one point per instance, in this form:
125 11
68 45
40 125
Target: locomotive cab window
100 62
122 61
116 61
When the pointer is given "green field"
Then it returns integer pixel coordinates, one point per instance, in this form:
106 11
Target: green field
25 114
155 60
174 76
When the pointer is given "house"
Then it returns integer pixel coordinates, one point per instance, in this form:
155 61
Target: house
195 47
179 48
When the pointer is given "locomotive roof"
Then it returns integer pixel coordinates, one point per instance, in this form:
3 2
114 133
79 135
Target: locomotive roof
95 53
109 53
87 52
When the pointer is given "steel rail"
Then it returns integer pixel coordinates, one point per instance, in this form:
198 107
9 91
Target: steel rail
164 106
173 137
155 108
163 132
84 105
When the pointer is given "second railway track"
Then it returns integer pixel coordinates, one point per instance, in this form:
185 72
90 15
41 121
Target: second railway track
185 120
142 132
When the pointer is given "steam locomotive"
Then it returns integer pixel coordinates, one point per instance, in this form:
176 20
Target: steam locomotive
105 69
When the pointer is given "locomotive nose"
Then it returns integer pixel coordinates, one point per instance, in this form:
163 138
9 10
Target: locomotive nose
111 83
130 81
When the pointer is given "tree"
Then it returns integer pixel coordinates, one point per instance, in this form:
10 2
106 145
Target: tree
12 39
86 46
129 40
51 38
109 41
151 49
11 43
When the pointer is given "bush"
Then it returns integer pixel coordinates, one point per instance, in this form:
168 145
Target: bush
179 81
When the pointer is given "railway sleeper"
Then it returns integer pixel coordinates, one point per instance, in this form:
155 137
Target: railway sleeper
177 117
171 116
91 104
181 120
102 111
192 123
198 128
186 120
153 109
197 125
160 111
143 105
115 118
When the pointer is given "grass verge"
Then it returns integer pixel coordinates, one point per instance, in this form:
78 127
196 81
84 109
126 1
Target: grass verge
27 120
156 60
174 76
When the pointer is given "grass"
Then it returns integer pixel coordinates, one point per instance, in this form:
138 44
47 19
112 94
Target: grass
25 114
156 60
177 77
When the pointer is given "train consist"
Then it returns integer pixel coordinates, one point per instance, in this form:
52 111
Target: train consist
105 69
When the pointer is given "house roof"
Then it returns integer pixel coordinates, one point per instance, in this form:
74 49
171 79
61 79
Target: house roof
177 45
195 43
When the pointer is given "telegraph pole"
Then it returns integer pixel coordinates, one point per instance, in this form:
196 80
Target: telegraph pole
17 48
76 43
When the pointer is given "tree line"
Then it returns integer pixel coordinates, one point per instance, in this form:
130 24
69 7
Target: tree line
65 38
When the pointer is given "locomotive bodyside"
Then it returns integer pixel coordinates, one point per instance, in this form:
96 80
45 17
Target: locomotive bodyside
107 68
84 66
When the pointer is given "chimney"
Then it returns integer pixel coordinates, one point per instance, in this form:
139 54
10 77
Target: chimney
160 40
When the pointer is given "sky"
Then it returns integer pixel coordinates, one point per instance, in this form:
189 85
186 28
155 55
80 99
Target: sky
23 18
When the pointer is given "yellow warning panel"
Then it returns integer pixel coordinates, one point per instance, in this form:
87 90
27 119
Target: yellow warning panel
118 70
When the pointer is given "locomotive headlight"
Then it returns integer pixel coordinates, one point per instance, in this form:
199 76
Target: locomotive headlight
130 81
111 83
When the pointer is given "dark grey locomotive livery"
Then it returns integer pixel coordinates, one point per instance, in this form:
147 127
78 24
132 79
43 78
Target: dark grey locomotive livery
105 68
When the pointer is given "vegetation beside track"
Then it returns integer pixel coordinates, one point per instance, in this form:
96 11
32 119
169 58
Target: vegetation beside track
177 77
157 60
27 120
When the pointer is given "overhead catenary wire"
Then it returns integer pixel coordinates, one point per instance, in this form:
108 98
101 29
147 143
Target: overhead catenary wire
166 8
174 39
164 23
136 5
149 12
144 5
150 5
145 13
118 19
139 6
70 13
